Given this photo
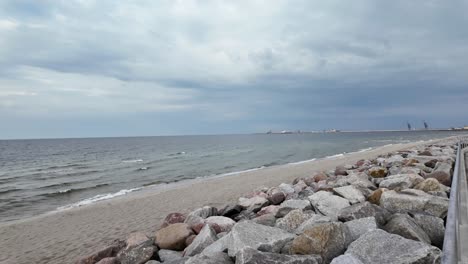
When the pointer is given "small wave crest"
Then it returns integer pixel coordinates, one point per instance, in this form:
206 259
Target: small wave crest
132 161
177 153
97 198
335 156
73 190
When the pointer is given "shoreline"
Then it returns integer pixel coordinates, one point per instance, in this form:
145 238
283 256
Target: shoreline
59 235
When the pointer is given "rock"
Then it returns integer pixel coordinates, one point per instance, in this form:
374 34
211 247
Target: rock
394 159
283 211
328 240
311 222
109 261
224 223
321 176
351 193
169 255
276 198
268 220
173 236
107 252
359 227
205 212
230 210
299 186
137 254
220 235
422 203
173 218
441 176
425 153
297 204
154 262
439 194
431 185
253 204
341 171
195 222
328 204
245 215
218 258
249 234
379 246
271 209
431 164
252 256
286 188
401 181
206 237
292 220
219 246
433 227
362 210
377 172
135 239
374 198
405 226
346 259
302 195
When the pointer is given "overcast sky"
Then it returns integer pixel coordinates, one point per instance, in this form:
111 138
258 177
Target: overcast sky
80 68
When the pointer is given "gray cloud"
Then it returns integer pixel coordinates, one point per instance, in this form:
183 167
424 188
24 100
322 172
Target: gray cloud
232 66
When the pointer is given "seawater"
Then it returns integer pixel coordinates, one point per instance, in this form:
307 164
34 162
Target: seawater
41 175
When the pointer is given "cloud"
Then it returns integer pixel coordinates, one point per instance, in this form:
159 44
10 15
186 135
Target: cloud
234 66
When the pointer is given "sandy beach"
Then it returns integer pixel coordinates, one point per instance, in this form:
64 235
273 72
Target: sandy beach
61 237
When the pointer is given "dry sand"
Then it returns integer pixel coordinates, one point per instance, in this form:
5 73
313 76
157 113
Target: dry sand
62 237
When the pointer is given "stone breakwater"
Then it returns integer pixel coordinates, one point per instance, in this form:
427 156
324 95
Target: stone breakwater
386 210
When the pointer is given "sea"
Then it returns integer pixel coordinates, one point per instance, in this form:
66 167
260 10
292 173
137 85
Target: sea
43 175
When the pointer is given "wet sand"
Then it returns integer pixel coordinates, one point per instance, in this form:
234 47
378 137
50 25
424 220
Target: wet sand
62 237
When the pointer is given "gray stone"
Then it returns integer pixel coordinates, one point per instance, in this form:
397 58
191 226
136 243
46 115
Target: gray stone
282 212
252 256
401 181
415 202
276 198
311 222
230 210
297 204
221 245
249 234
328 204
362 210
153 262
405 226
292 220
286 188
206 237
218 258
137 254
253 204
433 227
168 255
359 227
351 193
328 240
220 223
178 261
204 212
379 246
346 259
268 220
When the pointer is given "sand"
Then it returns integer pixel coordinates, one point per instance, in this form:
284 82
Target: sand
62 237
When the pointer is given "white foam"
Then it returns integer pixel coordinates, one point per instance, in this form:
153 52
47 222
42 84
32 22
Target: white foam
64 191
364 150
301 162
97 198
132 161
335 156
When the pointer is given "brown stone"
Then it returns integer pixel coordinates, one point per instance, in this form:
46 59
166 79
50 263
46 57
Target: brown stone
377 172
173 236
135 239
110 251
277 198
189 240
430 185
375 196
173 218
441 176
321 176
340 171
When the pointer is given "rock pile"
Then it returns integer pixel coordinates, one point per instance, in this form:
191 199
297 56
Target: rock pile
387 210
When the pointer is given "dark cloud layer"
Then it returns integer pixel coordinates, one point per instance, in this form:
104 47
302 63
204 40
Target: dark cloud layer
110 68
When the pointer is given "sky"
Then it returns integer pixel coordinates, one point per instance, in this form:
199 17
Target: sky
93 68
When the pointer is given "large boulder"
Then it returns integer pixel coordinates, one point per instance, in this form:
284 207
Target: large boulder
276 198
112 260
346 259
351 193
271 209
341 171
362 210
220 223
166 255
431 185
433 227
374 197
206 237
253 204
311 222
359 227
415 202
252 256
377 172
379 246
139 250
292 220
442 176
297 204
249 234
328 240
286 188
328 204
401 181
173 218
173 236
267 219
405 226
218 258
205 212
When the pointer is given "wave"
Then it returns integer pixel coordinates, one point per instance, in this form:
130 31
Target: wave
301 162
73 190
335 156
143 168
132 161
97 198
177 153
364 150
8 191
